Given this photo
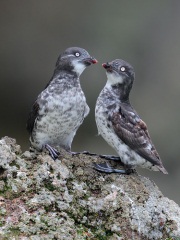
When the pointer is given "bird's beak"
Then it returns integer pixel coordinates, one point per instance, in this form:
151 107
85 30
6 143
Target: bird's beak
90 60
93 60
107 66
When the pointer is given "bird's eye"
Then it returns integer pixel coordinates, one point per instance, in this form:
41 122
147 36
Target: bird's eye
123 69
77 54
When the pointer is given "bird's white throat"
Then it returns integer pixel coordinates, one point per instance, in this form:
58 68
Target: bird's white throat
113 79
78 67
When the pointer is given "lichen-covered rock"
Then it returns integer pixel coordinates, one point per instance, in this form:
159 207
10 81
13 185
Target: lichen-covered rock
66 199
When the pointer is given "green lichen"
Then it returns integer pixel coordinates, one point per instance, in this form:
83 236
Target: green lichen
173 238
93 233
48 184
13 233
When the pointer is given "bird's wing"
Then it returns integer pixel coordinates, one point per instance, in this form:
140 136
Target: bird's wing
35 111
32 117
133 132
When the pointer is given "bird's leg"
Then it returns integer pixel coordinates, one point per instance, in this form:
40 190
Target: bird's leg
85 152
107 157
104 167
52 151
110 157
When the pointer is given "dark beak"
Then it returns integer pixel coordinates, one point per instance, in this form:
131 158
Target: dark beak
90 60
107 66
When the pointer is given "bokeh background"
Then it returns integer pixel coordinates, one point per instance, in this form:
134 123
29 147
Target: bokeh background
145 33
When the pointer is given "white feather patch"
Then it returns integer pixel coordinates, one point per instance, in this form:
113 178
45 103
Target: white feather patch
113 79
78 67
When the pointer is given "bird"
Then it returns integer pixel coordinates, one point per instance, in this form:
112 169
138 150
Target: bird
61 107
121 126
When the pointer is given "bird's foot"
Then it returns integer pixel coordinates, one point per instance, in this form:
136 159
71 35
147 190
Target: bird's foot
104 167
110 157
84 152
52 151
107 157
74 153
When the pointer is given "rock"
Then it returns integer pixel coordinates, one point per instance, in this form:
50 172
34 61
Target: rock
67 199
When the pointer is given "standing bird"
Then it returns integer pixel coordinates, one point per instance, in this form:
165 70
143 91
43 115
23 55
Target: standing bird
61 107
119 124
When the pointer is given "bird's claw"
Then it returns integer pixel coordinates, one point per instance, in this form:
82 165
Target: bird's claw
104 167
110 157
107 157
52 151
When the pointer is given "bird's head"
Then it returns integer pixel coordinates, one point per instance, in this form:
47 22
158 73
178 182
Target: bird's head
120 77
119 72
75 59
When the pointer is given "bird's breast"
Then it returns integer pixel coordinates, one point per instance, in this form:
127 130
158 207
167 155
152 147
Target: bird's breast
63 110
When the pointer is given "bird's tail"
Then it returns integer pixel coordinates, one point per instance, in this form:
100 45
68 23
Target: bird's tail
162 169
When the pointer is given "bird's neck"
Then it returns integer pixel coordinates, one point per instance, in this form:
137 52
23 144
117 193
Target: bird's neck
69 78
68 70
120 91
78 68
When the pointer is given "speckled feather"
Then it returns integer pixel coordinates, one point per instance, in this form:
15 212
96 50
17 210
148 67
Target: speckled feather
120 125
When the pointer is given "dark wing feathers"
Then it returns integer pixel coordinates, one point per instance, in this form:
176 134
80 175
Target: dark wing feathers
32 117
133 132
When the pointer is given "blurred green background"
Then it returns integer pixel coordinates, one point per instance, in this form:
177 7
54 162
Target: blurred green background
145 33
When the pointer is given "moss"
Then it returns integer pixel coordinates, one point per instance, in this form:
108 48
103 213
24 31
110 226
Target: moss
14 163
5 189
8 193
49 208
94 233
173 238
103 236
2 223
15 230
48 184
14 233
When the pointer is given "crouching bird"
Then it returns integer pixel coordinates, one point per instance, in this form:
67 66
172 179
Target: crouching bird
61 107
120 125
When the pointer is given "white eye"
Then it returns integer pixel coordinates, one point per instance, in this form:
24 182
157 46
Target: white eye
123 69
77 54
